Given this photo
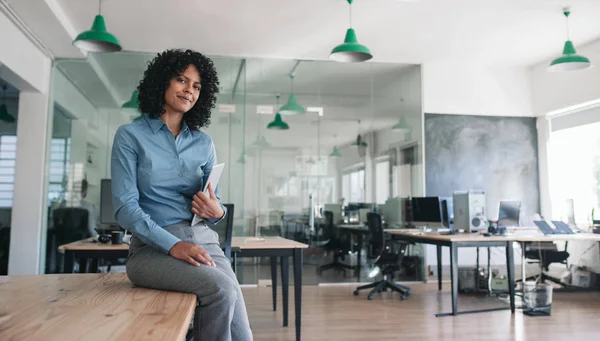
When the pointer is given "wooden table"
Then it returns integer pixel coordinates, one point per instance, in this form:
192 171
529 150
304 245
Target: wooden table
283 248
454 242
90 307
272 247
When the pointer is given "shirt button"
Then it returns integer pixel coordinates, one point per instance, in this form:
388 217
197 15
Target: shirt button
175 157
180 175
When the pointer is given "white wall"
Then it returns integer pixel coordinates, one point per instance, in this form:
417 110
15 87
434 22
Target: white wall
21 63
471 89
29 202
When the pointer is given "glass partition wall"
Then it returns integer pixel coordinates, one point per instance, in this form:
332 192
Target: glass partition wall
339 153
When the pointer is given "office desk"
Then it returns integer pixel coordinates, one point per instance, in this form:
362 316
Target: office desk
272 247
90 307
454 242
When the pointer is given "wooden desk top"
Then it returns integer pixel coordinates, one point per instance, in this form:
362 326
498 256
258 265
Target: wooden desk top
359 227
250 243
90 307
244 243
87 244
528 236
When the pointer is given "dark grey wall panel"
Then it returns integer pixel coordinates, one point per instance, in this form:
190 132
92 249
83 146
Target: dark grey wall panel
494 154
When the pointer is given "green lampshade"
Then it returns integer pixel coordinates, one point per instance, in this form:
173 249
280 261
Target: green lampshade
261 142
350 50
278 124
402 126
5 116
97 39
570 60
335 153
291 107
359 143
133 101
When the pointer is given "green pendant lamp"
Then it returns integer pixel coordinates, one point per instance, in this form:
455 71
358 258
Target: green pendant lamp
278 123
133 101
242 158
291 107
97 39
570 60
359 142
402 125
336 152
350 51
4 115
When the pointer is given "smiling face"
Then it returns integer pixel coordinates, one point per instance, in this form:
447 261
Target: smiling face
183 91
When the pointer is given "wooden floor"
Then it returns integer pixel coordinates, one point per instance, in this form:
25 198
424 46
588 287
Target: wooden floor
333 313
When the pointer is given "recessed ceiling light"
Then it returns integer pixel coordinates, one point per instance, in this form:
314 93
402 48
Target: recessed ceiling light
318 110
227 108
264 109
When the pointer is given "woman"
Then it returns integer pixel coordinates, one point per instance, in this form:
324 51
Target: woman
159 164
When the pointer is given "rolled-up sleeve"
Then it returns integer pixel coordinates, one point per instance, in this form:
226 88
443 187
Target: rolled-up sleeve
125 195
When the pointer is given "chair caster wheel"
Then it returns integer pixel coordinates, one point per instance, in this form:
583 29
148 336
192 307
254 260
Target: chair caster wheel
403 297
355 292
370 298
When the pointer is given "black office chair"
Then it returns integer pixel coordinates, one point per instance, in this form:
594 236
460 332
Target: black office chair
546 256
331 243
70 224
225 230
387 261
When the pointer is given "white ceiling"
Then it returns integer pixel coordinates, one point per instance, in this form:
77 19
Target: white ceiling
520 32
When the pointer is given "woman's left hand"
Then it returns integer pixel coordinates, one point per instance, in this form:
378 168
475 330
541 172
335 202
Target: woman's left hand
207 206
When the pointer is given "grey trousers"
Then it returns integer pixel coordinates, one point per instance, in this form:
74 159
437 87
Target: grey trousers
221 314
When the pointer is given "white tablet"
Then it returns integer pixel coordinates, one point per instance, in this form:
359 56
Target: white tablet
213 178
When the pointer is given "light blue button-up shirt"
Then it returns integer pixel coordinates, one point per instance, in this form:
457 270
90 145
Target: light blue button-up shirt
155 176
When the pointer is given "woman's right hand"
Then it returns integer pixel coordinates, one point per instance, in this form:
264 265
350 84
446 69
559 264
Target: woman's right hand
191 253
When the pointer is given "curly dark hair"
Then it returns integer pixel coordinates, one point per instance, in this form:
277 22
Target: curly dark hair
168 65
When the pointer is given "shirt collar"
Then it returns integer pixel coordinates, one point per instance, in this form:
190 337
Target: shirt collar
156 123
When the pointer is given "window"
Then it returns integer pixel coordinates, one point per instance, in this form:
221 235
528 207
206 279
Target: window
382 181
574 172
8 153
60 150
353 186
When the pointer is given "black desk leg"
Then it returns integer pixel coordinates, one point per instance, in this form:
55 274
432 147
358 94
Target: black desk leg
298 290
454 277
358 256
83 263
285 285
68 262
93 265
235 263
510 267
274 281
439 266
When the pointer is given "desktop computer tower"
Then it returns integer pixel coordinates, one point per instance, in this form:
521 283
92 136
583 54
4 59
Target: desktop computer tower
469 211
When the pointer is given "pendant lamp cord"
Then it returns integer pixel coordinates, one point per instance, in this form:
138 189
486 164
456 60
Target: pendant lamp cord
350 14
566 12
99 7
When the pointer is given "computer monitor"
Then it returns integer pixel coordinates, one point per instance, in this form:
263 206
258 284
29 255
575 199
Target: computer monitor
508 213
107 215
427 210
